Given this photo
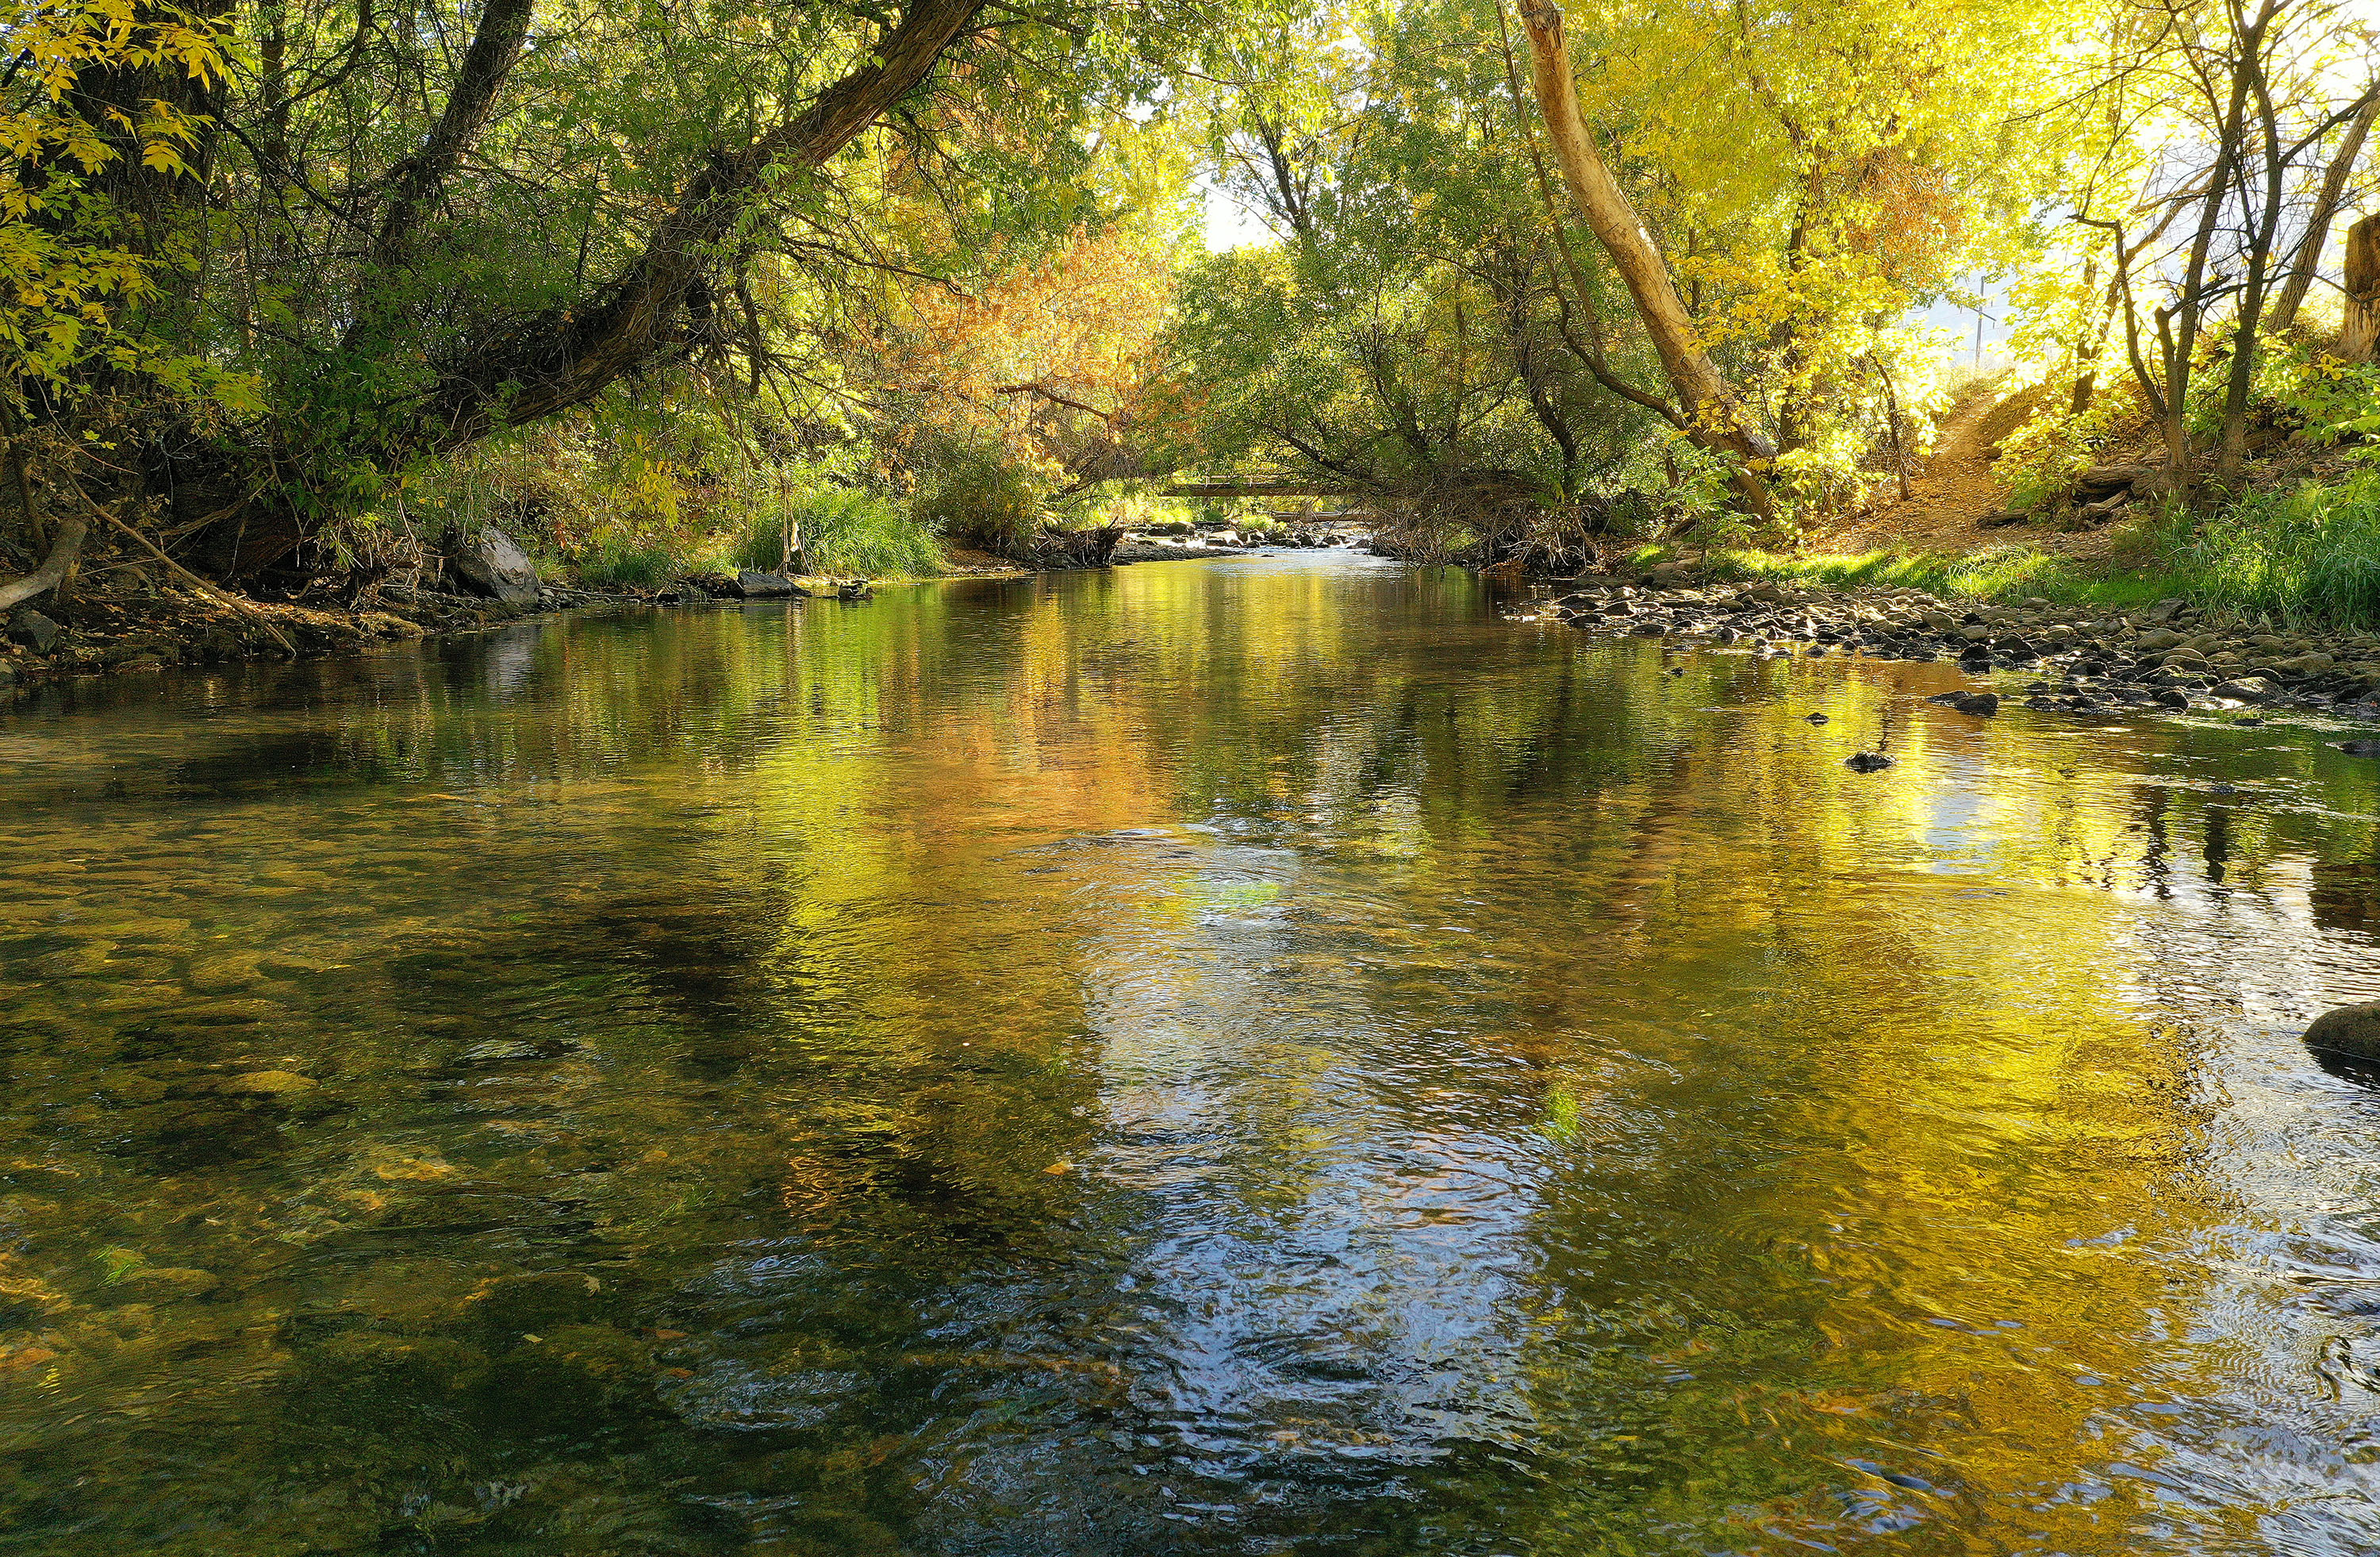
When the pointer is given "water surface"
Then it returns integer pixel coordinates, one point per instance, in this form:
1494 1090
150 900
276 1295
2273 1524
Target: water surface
1251 1057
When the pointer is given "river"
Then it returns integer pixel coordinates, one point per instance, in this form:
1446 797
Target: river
1251 1056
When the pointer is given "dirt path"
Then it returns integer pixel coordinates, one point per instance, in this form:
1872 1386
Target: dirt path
1948 493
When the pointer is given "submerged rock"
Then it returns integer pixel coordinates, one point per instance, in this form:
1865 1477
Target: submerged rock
2351 1031
1867 761
270 1083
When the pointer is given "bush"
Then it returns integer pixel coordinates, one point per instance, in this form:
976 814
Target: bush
973 493
841 529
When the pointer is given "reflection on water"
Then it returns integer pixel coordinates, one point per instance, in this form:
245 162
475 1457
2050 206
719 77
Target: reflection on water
1259 1056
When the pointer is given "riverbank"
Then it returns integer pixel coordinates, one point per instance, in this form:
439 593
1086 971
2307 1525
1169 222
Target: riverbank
98 633
2168 654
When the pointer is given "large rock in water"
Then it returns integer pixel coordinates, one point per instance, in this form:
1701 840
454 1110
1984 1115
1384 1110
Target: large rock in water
488 561
2352 1032
753 584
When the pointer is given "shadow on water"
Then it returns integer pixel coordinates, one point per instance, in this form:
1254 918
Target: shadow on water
1237 1057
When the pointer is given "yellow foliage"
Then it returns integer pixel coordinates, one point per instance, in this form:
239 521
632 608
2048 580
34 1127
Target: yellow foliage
67 282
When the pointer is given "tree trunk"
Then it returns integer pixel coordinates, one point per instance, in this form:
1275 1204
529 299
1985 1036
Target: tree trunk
1892 414
1712 413
2308 264
2179 332
2231 459
495 48
2360 335
522 370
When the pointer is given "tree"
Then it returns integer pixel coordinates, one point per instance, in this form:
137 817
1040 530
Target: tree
1708 405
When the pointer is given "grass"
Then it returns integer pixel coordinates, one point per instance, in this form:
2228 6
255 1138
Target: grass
844 531
2309 556
615 565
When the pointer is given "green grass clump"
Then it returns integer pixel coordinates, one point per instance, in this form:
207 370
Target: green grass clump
614 564
2000 572
2310 553
842 529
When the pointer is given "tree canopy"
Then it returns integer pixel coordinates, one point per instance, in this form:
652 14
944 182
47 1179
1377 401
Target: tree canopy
1532 270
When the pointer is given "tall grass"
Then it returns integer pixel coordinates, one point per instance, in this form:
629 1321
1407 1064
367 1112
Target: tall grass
614 564
2311 555
842 529
2312 552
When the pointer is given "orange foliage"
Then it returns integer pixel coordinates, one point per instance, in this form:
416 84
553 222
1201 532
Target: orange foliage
1057 359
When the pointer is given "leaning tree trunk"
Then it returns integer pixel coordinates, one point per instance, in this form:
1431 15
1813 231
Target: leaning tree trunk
1714 418
53 572
520 369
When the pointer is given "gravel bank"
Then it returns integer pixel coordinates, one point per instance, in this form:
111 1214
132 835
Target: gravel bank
2170 655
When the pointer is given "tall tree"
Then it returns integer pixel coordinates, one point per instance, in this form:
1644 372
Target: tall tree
1708 405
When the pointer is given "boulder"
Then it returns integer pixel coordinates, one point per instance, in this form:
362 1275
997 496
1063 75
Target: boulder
488 561
2350 1032
753 584
2249 689
33 631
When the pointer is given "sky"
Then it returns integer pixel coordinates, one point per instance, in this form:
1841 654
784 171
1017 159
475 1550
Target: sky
1229 223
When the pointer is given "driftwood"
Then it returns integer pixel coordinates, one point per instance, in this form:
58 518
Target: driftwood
1075 548
264 618
53 568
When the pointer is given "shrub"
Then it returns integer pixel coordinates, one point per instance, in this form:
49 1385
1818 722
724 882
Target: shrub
973 494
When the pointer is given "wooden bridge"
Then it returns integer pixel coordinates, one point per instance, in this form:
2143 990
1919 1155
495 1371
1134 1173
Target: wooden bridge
1259 486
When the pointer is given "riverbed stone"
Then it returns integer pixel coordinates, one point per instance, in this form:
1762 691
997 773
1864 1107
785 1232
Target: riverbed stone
270 1083
753 584
2352 1031
222 973
33 631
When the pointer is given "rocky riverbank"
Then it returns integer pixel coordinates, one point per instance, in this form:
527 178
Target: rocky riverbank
2172 655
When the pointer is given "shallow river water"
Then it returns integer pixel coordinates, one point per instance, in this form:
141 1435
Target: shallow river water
1239 1057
